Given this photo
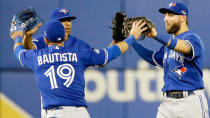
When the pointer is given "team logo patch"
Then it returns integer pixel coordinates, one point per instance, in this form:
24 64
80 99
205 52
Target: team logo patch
65 11
172 4
180 70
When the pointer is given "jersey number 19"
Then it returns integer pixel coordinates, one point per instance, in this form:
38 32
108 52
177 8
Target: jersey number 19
69 76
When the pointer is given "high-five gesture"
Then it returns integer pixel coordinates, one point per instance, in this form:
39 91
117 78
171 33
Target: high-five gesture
137 29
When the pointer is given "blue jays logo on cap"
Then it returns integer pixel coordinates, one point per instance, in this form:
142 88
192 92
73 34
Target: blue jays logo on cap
54 31
172 4
65 11
176 8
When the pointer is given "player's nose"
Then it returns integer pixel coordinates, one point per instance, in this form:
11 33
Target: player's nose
165 19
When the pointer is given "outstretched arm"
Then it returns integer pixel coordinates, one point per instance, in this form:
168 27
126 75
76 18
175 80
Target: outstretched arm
17 37
23 55
27 40
172 43
145 53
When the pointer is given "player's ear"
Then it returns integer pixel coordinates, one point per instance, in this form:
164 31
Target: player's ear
184 18
45 40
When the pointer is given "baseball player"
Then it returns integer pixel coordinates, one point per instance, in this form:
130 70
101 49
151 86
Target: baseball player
60 70
181 57
64 16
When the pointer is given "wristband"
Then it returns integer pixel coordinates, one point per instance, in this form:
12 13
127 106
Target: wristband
113 52
172 44
164 39
130 40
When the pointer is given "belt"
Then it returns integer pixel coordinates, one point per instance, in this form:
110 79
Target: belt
55 108
62 107
178 94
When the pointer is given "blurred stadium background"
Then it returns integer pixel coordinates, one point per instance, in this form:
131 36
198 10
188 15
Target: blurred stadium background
127 88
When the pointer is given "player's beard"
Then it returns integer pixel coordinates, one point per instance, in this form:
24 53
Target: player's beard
173 28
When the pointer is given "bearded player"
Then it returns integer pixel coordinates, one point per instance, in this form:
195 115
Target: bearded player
181 57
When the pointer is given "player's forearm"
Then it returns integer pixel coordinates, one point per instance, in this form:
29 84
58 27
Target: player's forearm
112 43
124 45
145 53
183 47
174 44
27 42
18 41
119 48
18 46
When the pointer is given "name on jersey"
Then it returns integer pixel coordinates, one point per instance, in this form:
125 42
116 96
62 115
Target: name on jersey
57 57
176 56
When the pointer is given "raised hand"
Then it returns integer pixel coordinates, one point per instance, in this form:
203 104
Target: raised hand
15 34
153 33
137 29
32 31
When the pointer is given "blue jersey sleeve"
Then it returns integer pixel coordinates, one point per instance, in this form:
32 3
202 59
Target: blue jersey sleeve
158 57
196 44
153 57
91 57
39 42
24 56
145 53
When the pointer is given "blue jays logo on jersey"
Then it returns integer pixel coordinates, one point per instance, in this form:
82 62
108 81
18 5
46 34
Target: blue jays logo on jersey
65 11
180 70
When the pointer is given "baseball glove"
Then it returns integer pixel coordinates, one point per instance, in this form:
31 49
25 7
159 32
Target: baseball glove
24 20
118 27
122 26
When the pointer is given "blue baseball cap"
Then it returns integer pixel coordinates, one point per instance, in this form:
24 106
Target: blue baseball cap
61 13
176 8
54 31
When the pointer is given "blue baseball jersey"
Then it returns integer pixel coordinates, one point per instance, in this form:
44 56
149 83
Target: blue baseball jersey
60 72
182 72
72 42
